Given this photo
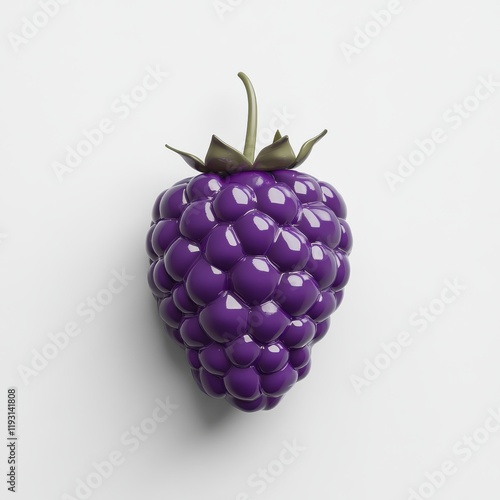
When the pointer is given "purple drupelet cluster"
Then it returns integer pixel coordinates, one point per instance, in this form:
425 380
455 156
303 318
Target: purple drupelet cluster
246 270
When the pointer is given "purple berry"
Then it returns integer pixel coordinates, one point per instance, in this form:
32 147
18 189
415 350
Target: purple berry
192 334
302 372
251 179
279 202
203 187
273 358
321 330
254 279
159 294
291 250
249 406
204 282
182 300
296 292
322 265
226 318
149 244
248 260
319 223
333 200
300 357
247 269
173 202
232 201
213 358
222 248
193 359
256 231
323 307
212 384
277 383
161 278
155 213
343 271
164 233
180 256
267 322
243 351
346 237
243 383
305 187
197 220
299 332
169 312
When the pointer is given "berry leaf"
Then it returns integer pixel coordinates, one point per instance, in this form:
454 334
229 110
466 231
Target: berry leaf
192 160
306 149
277 155
222 157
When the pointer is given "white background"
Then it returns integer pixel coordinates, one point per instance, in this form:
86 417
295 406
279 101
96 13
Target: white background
61 242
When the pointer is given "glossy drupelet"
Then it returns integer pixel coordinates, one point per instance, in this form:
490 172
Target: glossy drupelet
246 269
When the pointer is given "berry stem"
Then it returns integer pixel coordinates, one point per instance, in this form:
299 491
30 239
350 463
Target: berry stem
251 135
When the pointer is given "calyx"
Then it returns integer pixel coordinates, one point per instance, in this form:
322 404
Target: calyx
223 158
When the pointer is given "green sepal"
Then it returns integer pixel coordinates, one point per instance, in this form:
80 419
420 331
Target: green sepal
222 157
306 149
192 160
278 155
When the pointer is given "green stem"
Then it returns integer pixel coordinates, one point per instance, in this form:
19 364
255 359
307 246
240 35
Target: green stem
251 136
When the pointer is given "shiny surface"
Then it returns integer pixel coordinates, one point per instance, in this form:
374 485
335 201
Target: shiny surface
247 270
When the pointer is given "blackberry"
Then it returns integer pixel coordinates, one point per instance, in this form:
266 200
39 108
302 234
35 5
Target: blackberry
248 261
